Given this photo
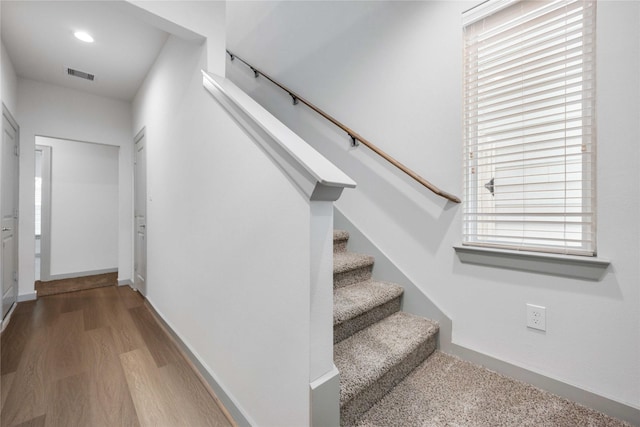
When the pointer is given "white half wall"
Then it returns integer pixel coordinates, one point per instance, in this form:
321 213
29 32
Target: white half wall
392 71
55 111
8 92
84 206
227 264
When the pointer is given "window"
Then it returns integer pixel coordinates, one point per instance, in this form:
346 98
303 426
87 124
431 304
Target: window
529 118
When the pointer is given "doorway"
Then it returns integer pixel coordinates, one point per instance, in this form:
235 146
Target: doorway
9 210
77 218
140 213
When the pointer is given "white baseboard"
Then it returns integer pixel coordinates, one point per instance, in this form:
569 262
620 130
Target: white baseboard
28 297
7 318
227 402
126 282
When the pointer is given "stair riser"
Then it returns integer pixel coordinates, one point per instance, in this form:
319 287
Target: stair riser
339 246
351 326
359 404
352 276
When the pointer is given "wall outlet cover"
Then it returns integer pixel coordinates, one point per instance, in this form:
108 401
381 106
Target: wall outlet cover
536 317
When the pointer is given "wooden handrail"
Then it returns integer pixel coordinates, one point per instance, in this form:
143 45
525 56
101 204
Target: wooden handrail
353 135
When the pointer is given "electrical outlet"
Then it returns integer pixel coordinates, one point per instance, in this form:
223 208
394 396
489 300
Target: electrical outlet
536 317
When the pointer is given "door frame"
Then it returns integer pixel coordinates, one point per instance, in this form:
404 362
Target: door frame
16 231
139 136
45 215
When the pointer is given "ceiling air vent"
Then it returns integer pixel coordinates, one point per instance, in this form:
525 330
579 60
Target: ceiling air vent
80 74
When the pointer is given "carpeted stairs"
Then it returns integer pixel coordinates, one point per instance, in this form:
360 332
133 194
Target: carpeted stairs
390 375
376 345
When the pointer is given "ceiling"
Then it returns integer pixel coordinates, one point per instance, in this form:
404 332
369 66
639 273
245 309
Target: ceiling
38 36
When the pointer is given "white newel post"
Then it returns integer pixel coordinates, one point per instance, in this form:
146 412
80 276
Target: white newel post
324 376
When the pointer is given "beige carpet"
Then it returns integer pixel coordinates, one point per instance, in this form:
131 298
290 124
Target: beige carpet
446 391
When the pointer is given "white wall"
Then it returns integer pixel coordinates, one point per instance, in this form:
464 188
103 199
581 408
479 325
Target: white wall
228 264
392 71
191 20
53 111
84 206
8 92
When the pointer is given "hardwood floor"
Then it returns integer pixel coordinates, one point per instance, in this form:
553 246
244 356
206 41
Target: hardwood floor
97 357
61 286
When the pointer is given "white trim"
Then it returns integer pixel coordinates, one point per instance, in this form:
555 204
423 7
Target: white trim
316 177
126 282
7 318
581 267
45 214
136 139
16 233
28 297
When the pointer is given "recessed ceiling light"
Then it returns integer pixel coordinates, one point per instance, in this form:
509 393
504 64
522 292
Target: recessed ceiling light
85 37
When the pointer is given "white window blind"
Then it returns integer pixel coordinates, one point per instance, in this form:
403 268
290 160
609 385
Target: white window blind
529 117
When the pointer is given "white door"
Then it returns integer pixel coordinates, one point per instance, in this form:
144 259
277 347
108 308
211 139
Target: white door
9 210
140 210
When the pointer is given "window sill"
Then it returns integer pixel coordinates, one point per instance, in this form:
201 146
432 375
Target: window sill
589 268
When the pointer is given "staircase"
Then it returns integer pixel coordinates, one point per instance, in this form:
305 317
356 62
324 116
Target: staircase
375 344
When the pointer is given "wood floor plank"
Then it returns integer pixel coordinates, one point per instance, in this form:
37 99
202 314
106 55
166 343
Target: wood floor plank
85 359
126 334
100 307
28 393
159 344
35 422
25 307
66 352
75 301
6 381
150 396
189 394
13 341
54 287
68 404
47 309
129 297
111 402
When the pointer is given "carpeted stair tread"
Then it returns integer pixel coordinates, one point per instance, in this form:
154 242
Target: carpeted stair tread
367 356
350 268
340 235
347 261
353 300
340 239
362 304
447 391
